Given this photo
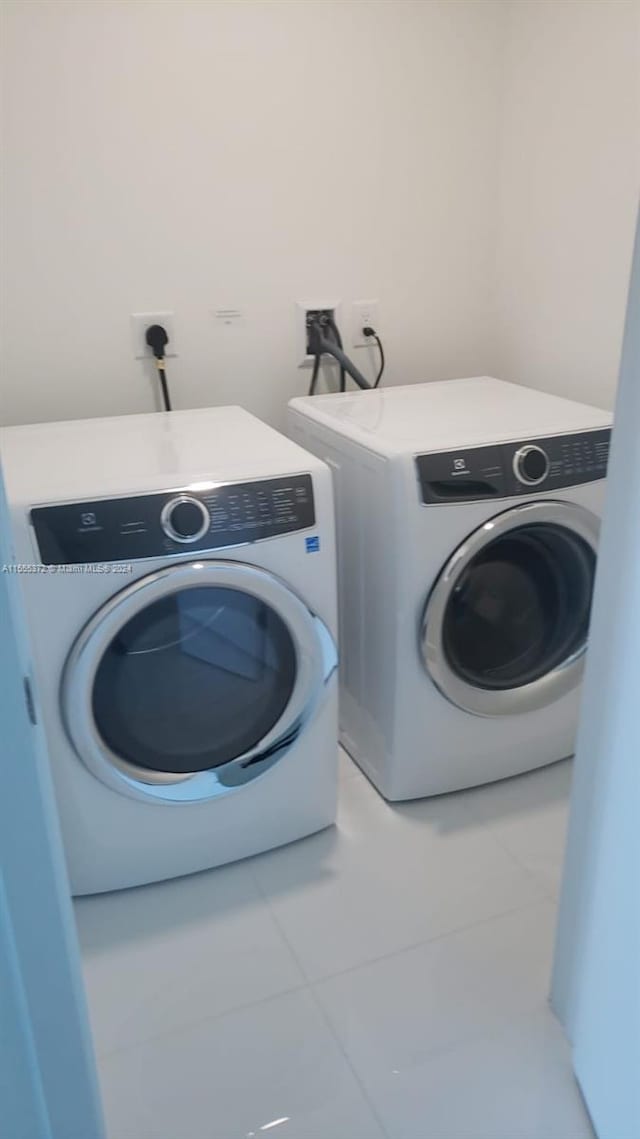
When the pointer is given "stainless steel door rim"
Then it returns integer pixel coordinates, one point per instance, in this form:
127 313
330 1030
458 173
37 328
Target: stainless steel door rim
316 659
527 697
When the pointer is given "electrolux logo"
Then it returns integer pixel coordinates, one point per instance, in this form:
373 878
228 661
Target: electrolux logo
460 467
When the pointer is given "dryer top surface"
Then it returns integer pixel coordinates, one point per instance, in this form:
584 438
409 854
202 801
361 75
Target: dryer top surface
129 454
447 414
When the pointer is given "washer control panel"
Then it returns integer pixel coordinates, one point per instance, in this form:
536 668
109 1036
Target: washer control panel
507 470
173 522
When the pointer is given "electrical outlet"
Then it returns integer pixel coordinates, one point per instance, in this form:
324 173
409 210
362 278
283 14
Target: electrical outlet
140 322
305 310
364 313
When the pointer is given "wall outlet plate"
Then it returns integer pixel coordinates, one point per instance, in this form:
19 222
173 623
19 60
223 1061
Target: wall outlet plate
363 313
140 322
302 309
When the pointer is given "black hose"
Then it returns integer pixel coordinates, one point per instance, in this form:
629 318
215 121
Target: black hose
319 345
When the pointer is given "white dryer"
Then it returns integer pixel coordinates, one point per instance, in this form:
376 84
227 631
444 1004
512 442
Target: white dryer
179 582
467 517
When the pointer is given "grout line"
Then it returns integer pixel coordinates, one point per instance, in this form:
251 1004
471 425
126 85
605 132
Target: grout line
517 908
308 983
547 891
298 986
459 929
320 1008
488 829
354 1071
180 1029
544 899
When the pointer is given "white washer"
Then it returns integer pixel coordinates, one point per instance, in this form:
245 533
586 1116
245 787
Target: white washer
178 573
467 520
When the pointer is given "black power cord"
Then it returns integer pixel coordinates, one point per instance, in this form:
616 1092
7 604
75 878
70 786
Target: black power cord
157 339
368 331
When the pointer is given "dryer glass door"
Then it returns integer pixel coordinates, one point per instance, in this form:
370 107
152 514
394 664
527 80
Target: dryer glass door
194 680
505 627
210 667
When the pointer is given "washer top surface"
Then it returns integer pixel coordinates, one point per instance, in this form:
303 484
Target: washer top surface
448 414
134 453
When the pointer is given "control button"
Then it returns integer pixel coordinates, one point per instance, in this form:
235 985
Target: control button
185 519
531 465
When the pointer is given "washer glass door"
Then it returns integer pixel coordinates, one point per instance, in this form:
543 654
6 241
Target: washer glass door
205 668
505 627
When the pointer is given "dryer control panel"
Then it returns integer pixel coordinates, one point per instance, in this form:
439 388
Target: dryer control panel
508 470
172 522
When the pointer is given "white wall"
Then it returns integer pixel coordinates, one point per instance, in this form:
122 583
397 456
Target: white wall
480 174
192 155
568 193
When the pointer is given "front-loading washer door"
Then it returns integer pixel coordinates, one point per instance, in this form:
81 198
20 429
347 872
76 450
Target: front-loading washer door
194 680
505 627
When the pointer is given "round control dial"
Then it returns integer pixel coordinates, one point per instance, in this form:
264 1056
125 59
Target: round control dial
531 465
185 519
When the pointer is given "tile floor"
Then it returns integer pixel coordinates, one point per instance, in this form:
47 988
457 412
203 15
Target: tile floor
386 979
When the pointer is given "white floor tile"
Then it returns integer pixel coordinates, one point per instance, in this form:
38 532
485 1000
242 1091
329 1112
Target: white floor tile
516 1084
386 878
528 815
427 930
396 1014
164 956
273 1069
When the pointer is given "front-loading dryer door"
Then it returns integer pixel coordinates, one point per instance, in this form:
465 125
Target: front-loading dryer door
505 627
194 680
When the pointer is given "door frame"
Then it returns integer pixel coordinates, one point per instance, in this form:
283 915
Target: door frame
594 989
48 1075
